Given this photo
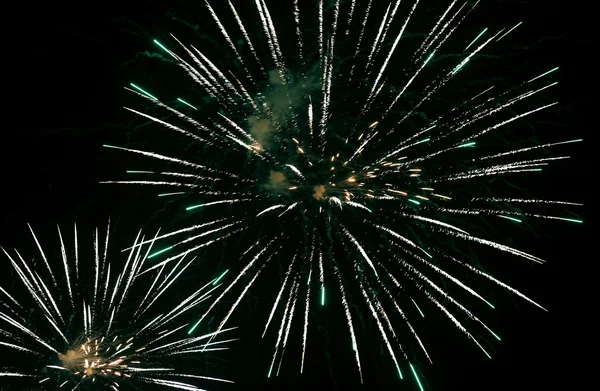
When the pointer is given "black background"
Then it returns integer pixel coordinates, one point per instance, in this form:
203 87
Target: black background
65 76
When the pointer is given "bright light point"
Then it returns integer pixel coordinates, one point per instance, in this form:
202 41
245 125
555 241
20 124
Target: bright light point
422 141
467 145
161 45
168 194
477 37
506 33
160 252
416 377
414 201
399 372
142 91
495 335
484 351
460 66
543 74
510 218
164 48
429 58
194 207
193 327
571 220
323 296
420 312
185 103
373 124
221 276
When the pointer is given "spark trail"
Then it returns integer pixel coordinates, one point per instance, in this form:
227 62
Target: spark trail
105 333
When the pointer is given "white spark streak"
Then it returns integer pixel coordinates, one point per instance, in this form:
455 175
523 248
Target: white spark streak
362 250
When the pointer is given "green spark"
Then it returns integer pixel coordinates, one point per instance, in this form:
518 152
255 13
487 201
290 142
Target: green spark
416 377
571 220
194 207
221 276
510 218
423 141
135 172
495 335
399 372
459 66
164 48
142 91
414 201
160 251
323 296
270 370
193 327
185 103
467 145
477 37
429 58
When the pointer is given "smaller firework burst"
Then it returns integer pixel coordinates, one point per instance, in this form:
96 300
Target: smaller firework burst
89 323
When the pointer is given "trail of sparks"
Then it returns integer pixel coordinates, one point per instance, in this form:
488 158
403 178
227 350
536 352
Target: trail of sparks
86 348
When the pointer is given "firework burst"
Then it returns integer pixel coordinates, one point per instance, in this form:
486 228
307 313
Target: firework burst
355 173
87 324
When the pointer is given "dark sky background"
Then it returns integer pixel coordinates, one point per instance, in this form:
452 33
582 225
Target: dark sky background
65 94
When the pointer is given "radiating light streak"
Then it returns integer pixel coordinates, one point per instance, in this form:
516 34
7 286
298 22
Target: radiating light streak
142 91
476 38
505 34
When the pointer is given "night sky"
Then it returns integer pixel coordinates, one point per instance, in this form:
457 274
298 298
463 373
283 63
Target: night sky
66 73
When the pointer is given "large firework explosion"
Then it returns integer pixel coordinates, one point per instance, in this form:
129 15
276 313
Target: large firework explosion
96 323
331 151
